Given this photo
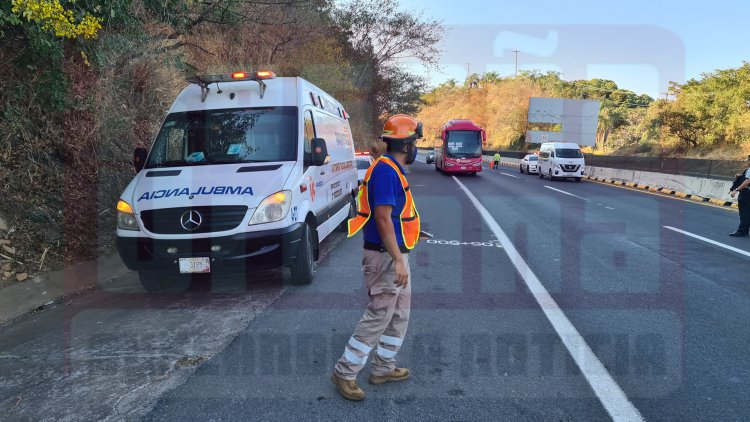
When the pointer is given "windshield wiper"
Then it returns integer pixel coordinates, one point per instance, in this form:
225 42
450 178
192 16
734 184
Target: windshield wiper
237 162
176 163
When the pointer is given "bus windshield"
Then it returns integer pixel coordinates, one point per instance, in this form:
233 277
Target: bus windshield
464 144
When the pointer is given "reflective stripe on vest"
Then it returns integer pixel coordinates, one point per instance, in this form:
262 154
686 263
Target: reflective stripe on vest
410 222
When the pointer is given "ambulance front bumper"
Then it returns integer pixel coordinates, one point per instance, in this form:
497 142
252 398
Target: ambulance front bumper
236 254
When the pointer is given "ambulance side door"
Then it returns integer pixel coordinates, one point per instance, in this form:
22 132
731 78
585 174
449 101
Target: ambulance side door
314 176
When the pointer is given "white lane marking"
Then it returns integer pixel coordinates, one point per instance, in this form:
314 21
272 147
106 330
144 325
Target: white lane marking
506 174
609 208
566 193
606 389
713 242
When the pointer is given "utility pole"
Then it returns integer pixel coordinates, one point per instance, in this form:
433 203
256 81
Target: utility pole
516 51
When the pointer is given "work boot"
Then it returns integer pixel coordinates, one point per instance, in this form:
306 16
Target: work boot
738 234
398 374
348 388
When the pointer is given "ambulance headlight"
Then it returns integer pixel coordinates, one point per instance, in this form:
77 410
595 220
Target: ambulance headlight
274 208
125 217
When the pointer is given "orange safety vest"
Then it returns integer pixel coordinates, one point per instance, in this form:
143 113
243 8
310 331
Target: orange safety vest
409 215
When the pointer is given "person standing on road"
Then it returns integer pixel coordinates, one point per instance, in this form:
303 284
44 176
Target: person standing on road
743 202
496 160
389 236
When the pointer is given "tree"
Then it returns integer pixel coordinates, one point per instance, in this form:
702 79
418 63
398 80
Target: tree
385 35
401 91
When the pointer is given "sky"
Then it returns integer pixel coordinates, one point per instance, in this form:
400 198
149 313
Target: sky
641 45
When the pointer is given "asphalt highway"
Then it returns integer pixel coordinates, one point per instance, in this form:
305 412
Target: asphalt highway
536 300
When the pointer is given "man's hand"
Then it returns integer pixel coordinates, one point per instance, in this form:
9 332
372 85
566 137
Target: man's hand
402 276
733 193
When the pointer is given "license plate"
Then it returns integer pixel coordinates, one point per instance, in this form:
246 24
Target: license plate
463 167
195 265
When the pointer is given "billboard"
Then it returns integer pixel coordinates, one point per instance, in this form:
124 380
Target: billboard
562 120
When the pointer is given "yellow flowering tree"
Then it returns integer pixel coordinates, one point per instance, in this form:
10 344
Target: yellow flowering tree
51 16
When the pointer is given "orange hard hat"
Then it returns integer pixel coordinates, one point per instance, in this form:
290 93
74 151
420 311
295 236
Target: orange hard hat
402 127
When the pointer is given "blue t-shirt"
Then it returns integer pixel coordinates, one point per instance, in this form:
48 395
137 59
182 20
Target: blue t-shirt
384 188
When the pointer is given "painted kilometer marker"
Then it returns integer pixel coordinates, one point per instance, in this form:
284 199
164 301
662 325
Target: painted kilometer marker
490 244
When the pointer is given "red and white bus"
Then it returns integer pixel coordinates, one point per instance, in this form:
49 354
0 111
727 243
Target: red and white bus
460 149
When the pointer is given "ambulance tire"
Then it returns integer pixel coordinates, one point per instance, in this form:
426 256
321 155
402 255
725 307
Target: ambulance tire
301 270
160 282
541 175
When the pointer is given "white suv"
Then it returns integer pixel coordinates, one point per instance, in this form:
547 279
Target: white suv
530 164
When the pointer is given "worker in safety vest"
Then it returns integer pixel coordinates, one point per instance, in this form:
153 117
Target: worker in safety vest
390 222
495 160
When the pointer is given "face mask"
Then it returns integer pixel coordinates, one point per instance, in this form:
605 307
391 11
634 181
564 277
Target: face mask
411 153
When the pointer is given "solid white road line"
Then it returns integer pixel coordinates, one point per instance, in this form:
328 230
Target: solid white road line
566 193
506 174
606 389
713 242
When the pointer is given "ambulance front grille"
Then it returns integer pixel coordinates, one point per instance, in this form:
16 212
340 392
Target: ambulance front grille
178 221
571 168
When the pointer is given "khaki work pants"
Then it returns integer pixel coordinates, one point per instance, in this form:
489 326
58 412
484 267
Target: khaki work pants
383 325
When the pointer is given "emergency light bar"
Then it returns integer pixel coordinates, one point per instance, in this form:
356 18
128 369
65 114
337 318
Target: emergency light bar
205 80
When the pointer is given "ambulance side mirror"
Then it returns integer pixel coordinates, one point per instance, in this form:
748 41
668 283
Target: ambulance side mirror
139 158
319 154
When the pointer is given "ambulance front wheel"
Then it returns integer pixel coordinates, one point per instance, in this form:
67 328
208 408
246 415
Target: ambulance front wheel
301 270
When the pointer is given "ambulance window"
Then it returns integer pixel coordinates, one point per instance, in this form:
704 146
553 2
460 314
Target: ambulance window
309 132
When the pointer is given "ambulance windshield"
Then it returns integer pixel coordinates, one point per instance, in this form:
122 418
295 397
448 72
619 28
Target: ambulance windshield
226 136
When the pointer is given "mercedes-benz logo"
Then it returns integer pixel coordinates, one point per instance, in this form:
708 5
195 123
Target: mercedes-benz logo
191 220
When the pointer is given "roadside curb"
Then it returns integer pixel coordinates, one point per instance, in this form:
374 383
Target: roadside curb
664 191
19 299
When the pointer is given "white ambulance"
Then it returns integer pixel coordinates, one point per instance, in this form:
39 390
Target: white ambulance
561 160
248 172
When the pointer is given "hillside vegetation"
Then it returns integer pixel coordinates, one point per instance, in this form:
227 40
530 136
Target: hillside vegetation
86 81
709 117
